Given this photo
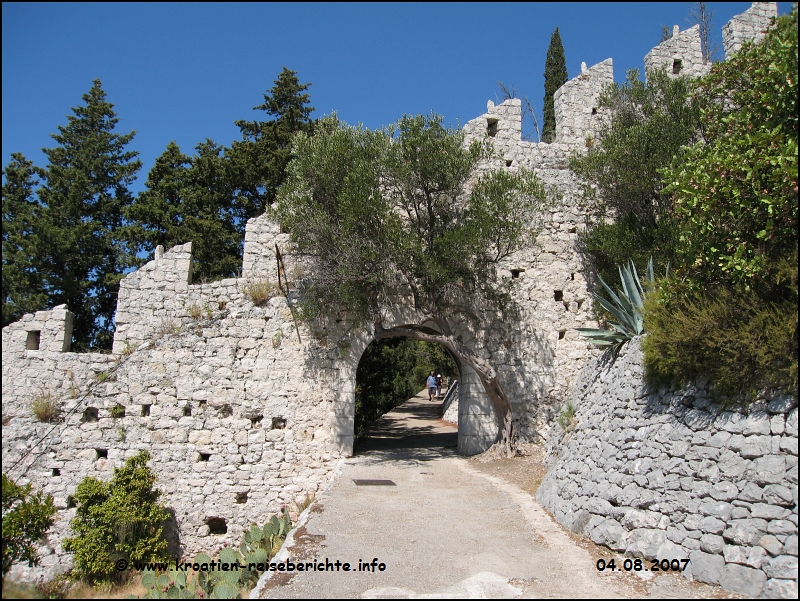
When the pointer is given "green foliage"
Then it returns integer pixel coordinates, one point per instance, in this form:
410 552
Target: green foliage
735 190
566 416
191 199
369 206
259 546
120 519
630 216
625 305
260 158
732 337
730 312
66 248
555 76
27 516
392 371
207 198
22 282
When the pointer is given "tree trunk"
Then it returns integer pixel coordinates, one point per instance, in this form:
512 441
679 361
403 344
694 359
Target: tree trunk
486 373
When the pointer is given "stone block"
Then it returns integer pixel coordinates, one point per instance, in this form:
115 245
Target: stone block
751 493
645 542
750 556
769 469
790 546
771 544
768 512
746 532
780 589
609 533
756 446
718 509
707 567
743 580
724 491
783 566
781 527
712 543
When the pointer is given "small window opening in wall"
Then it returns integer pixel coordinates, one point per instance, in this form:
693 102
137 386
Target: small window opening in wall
32 343
204 456
566 305
594 110
203 403
71 504
56 471
508 163
558 295
89 415
255 421
101 453
515 273
146 410
187 411
580 302
572 276
241 498
222 305
561 334
573 230
226 411
217 525
677 65
278 423
491 127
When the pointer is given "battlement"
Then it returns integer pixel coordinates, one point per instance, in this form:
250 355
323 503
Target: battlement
750 25
681 55
49 331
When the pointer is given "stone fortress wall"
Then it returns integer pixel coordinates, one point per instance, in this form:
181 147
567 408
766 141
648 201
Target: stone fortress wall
245 410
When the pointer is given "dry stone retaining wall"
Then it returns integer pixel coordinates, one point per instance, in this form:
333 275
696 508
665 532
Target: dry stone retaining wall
668 474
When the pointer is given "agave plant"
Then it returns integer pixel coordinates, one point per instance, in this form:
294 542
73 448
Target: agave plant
626 305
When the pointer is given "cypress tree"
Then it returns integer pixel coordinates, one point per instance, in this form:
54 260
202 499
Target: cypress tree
555 76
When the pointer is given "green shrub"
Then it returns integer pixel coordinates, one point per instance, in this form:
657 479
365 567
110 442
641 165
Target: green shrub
733 338
120 519
26 518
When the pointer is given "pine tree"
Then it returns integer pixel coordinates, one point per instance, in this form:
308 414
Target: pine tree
79 250
555 76
191 199
208 198
259 160
22 285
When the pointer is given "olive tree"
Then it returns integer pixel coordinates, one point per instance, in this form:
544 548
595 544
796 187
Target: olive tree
408 206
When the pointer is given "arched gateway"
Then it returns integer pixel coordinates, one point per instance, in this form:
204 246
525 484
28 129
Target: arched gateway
478 422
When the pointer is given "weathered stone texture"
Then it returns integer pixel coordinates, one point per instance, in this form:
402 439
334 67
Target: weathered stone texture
732 513
750 25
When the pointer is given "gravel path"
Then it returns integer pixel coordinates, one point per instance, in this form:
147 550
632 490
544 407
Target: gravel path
441 529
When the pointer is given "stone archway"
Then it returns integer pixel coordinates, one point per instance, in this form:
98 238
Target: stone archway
478 423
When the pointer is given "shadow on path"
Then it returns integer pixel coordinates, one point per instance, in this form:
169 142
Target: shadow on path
416 424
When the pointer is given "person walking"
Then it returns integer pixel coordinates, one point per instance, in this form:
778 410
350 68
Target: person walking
438 386
431 386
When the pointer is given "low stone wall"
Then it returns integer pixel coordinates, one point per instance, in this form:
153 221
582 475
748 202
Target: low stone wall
669 475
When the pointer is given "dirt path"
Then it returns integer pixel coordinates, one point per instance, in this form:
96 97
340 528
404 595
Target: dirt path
443 526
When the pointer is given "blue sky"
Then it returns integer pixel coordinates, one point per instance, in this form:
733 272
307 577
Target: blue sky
186 72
